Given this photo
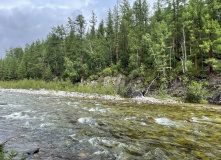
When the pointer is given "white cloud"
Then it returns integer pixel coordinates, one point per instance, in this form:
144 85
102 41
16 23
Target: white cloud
64 4
9 4
24 21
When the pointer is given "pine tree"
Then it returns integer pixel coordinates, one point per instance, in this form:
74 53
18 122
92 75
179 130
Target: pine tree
194 25
212 29
110 35
101 30
125 27
141 11
80 26
21 71
116 22
48 74
1 69
93 22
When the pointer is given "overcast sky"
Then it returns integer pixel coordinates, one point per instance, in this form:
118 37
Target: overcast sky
24 21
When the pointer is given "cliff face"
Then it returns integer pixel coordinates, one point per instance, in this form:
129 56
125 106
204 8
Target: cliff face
136 87
215 90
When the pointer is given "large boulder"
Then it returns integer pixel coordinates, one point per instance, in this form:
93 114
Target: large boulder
216 99
137 93
133 88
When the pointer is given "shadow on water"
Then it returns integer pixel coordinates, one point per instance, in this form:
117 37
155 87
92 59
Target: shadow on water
65 128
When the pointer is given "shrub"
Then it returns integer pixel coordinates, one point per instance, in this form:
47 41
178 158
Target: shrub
107 72
115 69
135 73
195 92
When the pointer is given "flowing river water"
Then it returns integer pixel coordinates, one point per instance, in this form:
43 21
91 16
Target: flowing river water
90 129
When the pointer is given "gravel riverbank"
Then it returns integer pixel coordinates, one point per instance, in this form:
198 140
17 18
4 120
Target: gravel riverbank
92 96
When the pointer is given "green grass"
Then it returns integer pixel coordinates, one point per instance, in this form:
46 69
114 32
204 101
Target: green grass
7 156
58 86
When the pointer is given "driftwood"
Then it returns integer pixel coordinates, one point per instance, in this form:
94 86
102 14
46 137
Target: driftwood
147 89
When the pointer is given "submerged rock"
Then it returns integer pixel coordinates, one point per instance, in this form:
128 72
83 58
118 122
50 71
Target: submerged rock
191 120
83 155
33 151
3 104
151 120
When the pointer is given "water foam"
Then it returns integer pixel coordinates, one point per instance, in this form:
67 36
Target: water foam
98 110
87 120
16 115
165 121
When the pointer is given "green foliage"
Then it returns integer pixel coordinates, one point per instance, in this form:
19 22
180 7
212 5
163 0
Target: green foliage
115 68
48 73
69 69
215 63
195 92
21 72
190 69
59 86
135 73
106 72
7 156
2 155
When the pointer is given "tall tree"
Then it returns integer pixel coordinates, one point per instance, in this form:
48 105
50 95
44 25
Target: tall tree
93 22
116 20
141 21
110 34
212 28
194 25
125 27
80 25
101 29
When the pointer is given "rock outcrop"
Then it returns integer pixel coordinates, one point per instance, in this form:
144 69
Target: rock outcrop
216 99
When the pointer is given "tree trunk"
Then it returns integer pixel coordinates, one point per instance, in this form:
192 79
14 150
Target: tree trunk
184 45
110 57
196 65
147 89
117 34
141 49
174 21
210 56
81 64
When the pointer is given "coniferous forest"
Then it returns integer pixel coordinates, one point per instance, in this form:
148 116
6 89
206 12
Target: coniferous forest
180 38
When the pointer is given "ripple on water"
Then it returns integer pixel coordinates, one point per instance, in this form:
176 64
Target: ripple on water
87 120
98 110
17 115
45 125
120 150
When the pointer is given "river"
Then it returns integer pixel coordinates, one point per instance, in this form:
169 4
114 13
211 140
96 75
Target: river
91 129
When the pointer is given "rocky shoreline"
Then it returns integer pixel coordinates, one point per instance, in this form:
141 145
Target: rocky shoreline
138 100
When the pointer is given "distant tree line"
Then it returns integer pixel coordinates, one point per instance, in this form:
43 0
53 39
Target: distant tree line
181 37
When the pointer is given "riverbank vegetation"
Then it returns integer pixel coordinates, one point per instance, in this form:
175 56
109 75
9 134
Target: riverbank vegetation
180 40
58 86
6 156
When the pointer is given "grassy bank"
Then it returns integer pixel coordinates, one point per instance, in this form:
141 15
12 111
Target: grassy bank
58 86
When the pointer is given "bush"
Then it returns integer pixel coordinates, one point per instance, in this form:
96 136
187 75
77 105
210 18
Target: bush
195 92
135 73
107 72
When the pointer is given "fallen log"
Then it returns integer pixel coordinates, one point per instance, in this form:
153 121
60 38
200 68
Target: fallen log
147 89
